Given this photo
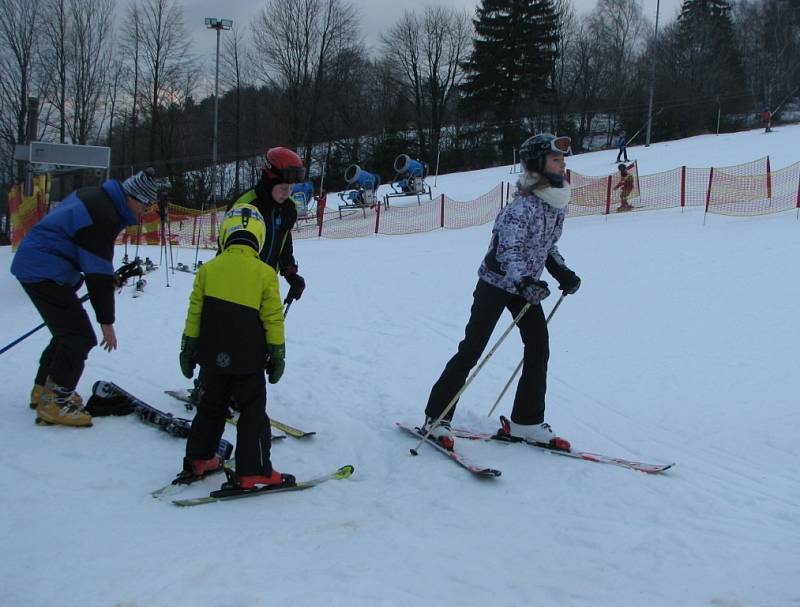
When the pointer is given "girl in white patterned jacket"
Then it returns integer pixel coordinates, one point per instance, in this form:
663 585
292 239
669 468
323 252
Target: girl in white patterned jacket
523 244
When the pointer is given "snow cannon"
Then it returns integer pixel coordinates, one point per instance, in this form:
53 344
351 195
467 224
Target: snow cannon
364 188
405 166
409 179
359 178
302 195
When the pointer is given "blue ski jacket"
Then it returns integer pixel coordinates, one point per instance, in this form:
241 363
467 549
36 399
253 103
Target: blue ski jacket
75 241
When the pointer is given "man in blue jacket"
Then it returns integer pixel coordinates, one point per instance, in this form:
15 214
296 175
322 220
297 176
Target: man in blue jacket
72 244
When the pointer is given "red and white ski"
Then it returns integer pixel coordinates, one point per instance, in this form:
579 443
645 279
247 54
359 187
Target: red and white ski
458 458
598 458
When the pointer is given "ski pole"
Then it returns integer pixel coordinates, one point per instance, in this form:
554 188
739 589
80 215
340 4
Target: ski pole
454 400
124 272
519 366
288 303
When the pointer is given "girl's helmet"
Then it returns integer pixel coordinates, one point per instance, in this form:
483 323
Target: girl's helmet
282 165
243 224
533 152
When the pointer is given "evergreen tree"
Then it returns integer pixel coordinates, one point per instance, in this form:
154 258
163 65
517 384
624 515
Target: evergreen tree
509 69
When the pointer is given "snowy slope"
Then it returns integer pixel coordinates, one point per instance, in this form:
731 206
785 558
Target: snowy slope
682 345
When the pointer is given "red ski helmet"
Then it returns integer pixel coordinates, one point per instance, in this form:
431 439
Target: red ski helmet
283 166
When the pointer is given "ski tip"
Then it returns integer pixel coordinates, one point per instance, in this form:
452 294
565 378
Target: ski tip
345 471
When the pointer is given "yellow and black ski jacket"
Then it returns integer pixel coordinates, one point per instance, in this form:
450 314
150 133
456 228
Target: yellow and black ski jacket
235 310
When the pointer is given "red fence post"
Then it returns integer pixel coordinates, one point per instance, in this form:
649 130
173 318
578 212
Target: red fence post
708 193
378 216
502 188
442 222
608 196
569 176
798 192
683 186
769 180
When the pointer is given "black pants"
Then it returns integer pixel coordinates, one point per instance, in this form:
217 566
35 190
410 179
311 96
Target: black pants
487 306
73 337
621 152
253 440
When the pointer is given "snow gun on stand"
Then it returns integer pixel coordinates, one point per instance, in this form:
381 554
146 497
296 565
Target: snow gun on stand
303 198
364 190
409 179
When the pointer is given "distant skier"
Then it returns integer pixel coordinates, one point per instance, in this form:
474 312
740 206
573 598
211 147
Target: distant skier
766 117
622 144
73 243
626 184
523 244
234 331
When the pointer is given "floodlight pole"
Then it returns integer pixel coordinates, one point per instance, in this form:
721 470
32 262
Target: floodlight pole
219 25
652 78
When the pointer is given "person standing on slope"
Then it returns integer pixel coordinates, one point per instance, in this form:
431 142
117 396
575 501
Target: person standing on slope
234 331
622 145
72 244
523 244
271 196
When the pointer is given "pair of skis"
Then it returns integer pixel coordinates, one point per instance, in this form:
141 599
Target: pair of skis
225 495
185 396
483 471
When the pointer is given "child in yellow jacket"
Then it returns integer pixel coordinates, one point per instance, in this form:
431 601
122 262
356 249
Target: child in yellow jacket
234 331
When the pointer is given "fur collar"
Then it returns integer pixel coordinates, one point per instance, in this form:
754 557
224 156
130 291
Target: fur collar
557 198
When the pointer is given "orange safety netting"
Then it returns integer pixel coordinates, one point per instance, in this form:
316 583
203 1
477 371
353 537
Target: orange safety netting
751 188
26 211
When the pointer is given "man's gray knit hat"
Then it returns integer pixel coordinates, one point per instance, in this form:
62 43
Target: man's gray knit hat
142 186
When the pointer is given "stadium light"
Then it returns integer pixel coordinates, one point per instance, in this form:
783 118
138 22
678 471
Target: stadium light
219 25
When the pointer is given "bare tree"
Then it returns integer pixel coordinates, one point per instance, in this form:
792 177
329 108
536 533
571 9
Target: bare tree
427 52
18 46
165 49
55 53
91 54
295 42
769 34
618 28
132 50
235 76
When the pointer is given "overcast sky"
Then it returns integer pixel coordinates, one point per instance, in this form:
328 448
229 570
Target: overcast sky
376 15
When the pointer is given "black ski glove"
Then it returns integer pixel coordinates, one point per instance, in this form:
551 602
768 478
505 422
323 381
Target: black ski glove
187 355
297 284
568 281
534 291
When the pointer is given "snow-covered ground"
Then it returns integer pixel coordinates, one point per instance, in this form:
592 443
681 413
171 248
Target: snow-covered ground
681 345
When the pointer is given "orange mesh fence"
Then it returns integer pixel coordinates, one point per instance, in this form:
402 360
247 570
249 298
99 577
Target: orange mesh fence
745 195
747 189
425 217
661 190
26 211
348 223
456 214
598 195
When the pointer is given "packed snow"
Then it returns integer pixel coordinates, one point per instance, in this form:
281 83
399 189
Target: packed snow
682 346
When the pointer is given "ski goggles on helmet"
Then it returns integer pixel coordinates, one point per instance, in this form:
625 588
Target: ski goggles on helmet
290 174
562 145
